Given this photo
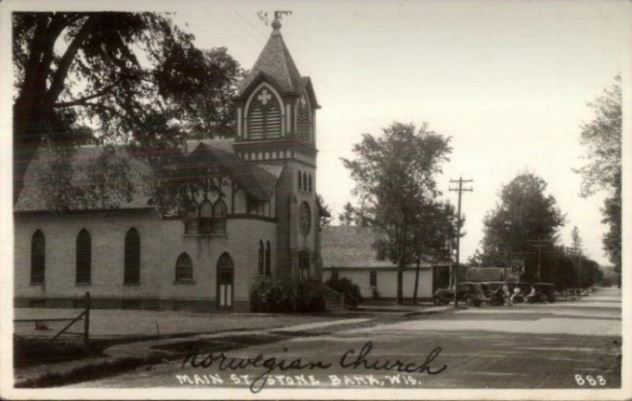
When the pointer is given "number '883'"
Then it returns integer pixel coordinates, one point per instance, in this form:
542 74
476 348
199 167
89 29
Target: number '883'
589 380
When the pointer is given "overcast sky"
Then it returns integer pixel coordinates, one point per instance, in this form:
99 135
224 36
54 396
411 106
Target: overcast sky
508 81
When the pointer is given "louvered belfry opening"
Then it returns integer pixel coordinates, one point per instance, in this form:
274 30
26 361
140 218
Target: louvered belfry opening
304 120
264 116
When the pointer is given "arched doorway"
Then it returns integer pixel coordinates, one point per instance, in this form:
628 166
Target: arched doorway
303 265
225 277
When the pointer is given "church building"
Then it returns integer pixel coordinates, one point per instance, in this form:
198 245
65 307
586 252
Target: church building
258 220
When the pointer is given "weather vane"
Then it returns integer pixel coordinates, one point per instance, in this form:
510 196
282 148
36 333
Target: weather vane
278 15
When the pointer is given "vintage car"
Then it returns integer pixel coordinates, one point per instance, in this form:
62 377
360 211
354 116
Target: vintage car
493 291
468 292
547 290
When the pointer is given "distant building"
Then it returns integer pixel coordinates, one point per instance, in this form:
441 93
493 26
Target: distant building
258 219
349 251
480 274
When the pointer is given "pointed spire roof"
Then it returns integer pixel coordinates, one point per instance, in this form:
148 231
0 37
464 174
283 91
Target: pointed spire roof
276 63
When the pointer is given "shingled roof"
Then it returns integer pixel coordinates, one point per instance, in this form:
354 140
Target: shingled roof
258 182
350 246
353 247
35 197
276 64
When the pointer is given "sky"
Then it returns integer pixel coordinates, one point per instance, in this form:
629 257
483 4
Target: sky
509 82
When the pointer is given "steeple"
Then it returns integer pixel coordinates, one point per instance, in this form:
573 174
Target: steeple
276 63
274 102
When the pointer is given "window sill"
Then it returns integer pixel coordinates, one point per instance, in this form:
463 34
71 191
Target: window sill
36 284
197 235
184 282
84 284
131 284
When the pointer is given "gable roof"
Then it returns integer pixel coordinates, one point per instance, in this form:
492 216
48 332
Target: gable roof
35 196
352 247
255 180
206 156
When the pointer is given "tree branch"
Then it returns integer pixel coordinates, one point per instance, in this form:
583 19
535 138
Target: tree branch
57 85
83 100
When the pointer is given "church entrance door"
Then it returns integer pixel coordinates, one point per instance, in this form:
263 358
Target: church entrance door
225 277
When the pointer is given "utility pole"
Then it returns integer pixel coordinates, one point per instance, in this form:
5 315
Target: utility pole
539 244
460 190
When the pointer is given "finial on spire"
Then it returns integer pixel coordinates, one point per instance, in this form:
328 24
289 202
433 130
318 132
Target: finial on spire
276 24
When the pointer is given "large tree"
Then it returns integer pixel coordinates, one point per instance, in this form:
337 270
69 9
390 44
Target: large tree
130 76
394 175
602 168
522 227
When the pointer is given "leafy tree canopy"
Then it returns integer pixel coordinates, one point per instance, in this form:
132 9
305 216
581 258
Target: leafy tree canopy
524 214
601 139
132 77
396 189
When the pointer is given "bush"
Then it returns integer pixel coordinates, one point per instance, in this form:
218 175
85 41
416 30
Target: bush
347 288
286 296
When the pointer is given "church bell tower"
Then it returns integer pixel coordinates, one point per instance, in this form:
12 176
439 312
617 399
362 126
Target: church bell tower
276 115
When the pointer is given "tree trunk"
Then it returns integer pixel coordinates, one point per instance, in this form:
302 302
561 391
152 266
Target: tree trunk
416 280
29 125
400 284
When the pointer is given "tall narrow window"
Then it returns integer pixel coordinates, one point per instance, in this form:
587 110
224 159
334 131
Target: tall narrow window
304 181
260 259
132 257
84 257
373 278
219 217
206 217
191 219
303 265
184 268
38 257
268 259
309 183
300 180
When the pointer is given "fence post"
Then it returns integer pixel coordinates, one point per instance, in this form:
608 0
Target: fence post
86 322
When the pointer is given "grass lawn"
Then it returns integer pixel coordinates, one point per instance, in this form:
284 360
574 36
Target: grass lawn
111 324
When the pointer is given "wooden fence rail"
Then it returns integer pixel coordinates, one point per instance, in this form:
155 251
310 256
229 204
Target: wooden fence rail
84 315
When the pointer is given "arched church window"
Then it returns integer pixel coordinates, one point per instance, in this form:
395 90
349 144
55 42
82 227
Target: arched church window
191 219
300 180
219 217
206 217
184 268
304 119
84 257
261 267
309 183
38 257
268 259
264 115
304 181
131 274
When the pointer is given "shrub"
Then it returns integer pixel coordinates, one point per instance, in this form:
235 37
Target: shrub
285 296
347 288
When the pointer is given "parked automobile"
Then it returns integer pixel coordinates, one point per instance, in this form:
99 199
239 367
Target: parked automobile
546 289
468 292
493 291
